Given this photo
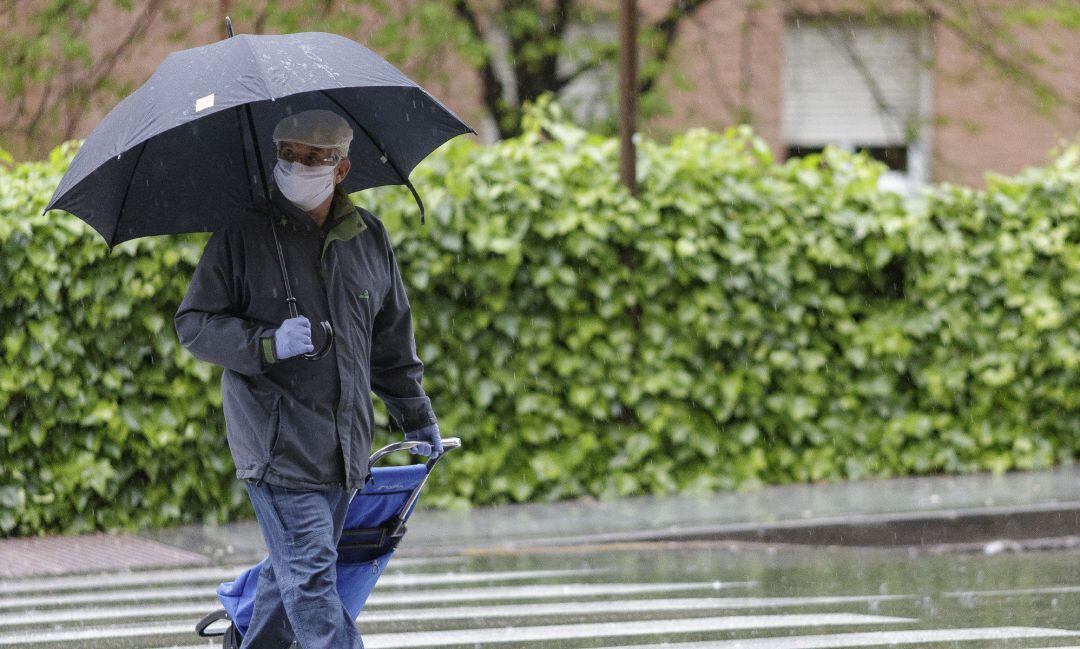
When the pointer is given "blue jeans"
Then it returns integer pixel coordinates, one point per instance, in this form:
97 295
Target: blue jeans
297 596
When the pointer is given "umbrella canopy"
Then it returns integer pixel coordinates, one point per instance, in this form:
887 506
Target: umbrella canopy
177 154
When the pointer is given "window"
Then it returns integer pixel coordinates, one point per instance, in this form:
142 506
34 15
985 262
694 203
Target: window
860 86
590 96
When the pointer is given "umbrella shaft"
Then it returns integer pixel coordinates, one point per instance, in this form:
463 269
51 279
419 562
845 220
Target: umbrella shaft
266 194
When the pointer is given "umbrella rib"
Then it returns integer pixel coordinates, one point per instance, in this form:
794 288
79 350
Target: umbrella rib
393 165
243 150
262 71
127 191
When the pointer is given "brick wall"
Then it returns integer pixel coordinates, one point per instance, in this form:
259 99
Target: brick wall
727 66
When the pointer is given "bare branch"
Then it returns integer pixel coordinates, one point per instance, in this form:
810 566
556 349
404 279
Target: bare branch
843 41
561 18
39 114
1017 72
716 76
562 82
549 66
98 74
746 71
668 27
492 86
260 20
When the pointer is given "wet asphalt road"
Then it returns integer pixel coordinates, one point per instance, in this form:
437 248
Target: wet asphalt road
700 595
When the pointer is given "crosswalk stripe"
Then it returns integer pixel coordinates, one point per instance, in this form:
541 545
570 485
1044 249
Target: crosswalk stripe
135 596
377 598
606 606
614 629
214 575
107 580
33 618
95 633
543 591
864 639
1047 590
490 635
405 580
171 575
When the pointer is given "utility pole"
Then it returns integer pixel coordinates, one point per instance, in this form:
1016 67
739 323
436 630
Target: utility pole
628 93
224 6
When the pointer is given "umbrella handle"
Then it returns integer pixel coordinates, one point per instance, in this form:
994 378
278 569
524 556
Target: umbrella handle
328 332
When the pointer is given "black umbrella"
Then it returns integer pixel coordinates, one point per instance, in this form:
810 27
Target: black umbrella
189 146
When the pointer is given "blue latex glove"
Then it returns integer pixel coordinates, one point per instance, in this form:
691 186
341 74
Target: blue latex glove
293 338
430 434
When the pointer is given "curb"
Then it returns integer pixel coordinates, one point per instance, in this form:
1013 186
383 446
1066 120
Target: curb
990 530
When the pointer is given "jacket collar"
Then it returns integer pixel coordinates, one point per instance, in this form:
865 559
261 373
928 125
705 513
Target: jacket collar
344 220
289 213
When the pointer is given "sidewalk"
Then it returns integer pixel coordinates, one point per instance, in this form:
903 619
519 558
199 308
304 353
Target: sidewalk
897 512
980 512
904 511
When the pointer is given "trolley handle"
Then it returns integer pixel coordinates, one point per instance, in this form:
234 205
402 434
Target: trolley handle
448 444
215 616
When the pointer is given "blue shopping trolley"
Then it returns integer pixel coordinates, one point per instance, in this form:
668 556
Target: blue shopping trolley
374 525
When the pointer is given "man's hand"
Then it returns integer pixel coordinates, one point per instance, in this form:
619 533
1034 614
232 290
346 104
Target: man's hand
293 338
430 434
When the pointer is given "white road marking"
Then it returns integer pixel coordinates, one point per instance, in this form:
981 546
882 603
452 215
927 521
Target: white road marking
111 580
493 635
614 629
544 591
866 639
211 575
377 598
132 596
610 606
1048 590
407 580
96 633
30 618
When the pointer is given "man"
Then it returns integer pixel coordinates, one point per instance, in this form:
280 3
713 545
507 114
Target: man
300 429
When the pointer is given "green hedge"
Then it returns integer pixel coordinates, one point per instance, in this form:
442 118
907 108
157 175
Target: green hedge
740 322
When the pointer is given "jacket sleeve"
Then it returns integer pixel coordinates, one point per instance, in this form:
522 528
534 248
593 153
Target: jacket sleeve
396 370
209 321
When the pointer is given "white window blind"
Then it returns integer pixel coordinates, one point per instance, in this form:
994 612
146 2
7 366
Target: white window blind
851 84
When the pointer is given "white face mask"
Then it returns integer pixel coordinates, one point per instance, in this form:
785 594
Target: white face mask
305 186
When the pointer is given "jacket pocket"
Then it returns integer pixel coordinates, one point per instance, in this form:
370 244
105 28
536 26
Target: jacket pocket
273 426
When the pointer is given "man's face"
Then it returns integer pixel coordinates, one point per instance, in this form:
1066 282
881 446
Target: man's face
314 156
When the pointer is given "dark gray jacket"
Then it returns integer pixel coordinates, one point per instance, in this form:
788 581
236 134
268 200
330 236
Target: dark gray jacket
277 430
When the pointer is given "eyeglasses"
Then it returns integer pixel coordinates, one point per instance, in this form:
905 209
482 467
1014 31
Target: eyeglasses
311 159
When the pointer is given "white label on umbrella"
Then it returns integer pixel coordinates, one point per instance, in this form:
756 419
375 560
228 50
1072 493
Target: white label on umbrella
203 103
